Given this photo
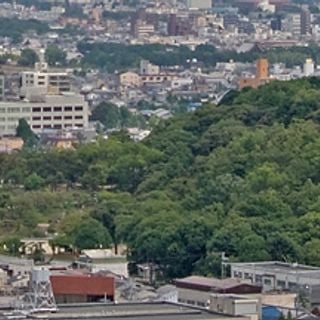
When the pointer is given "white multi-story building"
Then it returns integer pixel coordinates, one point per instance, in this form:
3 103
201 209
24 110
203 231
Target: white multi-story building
46 103
46 112
42 82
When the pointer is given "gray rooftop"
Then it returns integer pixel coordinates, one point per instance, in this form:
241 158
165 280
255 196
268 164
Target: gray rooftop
276 266
136 311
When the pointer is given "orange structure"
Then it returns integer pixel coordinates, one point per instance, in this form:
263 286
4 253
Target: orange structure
261 77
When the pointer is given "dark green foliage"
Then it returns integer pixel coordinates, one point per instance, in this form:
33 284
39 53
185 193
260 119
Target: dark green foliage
28 58
113 117
112 56
240 178
15 28
55 56
24 131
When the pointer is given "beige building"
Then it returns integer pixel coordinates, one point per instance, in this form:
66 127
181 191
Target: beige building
196 290
42 82
9 144
47 112
130 79
235 305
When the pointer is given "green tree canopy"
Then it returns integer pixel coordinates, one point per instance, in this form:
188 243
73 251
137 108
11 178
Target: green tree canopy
28 58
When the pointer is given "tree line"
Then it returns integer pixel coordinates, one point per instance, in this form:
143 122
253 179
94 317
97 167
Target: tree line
241 178
116 57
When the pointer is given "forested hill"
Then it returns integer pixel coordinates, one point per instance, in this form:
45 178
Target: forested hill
242 177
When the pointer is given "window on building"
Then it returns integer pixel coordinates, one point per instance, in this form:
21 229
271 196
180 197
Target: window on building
78 117
292 285
79 125
47 109
13 109
47 126
37 109
68 108
41 83
57 126
57 117
46 118
78 108
258 279
267 282
36 118
67 117
281 283
57 109
26 109
36 126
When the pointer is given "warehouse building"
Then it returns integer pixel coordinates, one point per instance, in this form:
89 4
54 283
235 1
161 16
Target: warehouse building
196 290
132 311
275 275
70 287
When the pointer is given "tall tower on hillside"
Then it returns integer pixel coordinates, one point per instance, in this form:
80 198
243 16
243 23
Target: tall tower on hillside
262 69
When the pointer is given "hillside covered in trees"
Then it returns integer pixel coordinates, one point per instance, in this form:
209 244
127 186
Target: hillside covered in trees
241 178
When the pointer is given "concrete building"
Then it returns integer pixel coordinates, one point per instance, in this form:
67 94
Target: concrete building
293 24
42 82
274 275
147 68
195 290
143 29
132 311
129 79
261 77
235 305
305 20
2 87
199 4
308 68
46 112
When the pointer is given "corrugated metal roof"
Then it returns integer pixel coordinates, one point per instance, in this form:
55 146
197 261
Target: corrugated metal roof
209 282
82 285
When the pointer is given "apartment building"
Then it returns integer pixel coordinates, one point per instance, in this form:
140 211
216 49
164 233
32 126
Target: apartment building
42 82
46 112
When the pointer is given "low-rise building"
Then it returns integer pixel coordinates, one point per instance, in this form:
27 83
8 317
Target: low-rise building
235 305
130 79
196 290
71 287
274 275
261 77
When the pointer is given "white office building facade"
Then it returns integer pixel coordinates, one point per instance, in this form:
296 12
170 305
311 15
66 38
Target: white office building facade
49 112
